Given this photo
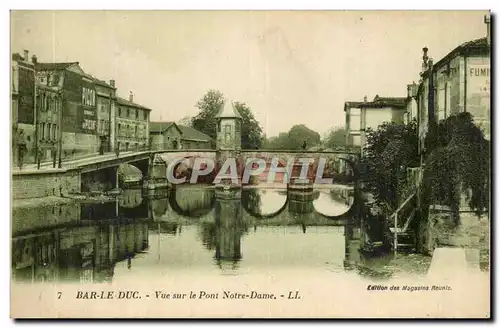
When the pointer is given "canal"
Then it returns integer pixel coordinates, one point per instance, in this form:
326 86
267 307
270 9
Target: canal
192 229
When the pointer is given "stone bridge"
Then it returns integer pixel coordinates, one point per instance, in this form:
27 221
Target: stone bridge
101 173
338 165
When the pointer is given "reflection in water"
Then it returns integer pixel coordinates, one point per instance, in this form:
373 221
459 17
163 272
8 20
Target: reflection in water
331 202
83 247
186 228
229 227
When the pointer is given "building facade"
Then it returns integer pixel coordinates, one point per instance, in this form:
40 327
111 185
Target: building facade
79 106
23 102
459 82
194 139
228 128
132 125
164 135
106 113
361 116
353 123
48 113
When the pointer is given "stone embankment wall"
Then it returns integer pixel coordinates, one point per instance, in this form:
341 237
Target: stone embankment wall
40 184
472 234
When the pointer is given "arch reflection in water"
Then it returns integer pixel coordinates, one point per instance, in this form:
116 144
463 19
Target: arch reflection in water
264 203
192 201
333 202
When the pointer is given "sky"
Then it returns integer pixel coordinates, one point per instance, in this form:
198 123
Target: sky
290 67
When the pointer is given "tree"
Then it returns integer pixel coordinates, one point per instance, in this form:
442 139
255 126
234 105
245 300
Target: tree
251 132
389 151
300 133
279 142
186 121
211 104
335 138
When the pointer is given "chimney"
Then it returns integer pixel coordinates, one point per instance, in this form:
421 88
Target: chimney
487 21
112 83
26 55
425 58
34 60
131 97
365 99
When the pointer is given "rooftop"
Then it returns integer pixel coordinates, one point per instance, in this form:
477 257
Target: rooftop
190 133
385 102
478 47
159 127
228 111
54 66
125 102
102 83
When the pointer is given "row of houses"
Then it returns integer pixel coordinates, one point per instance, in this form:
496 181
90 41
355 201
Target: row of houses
459 82
59 110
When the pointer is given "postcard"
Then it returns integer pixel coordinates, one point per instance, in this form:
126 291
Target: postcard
250 164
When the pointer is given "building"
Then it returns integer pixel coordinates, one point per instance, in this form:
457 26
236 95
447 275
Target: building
228 128
194 139
361 116
79 107
23 108
132 125
169 135
411 103
48 114
106 113
459 82
164 135
353 123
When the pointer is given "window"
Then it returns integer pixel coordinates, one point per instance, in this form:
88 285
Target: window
119 129
355 119
136 114
128 112
227 132
119 111
145 115
42 130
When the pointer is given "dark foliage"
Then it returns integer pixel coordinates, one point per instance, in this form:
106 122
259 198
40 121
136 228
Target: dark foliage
389 151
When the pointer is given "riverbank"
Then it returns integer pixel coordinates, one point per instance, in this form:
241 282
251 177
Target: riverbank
40 202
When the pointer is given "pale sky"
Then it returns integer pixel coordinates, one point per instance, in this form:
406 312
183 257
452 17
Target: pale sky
290 67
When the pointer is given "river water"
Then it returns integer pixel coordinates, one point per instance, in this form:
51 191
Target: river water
260 231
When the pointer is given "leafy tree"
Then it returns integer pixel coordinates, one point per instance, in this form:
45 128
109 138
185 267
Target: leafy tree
299 134
209 106
251 132
279 142
186 121
389 151
205 121
335 138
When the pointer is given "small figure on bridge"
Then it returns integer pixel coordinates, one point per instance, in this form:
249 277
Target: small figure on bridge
304 145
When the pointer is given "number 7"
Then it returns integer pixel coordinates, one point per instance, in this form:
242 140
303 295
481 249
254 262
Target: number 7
59 295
